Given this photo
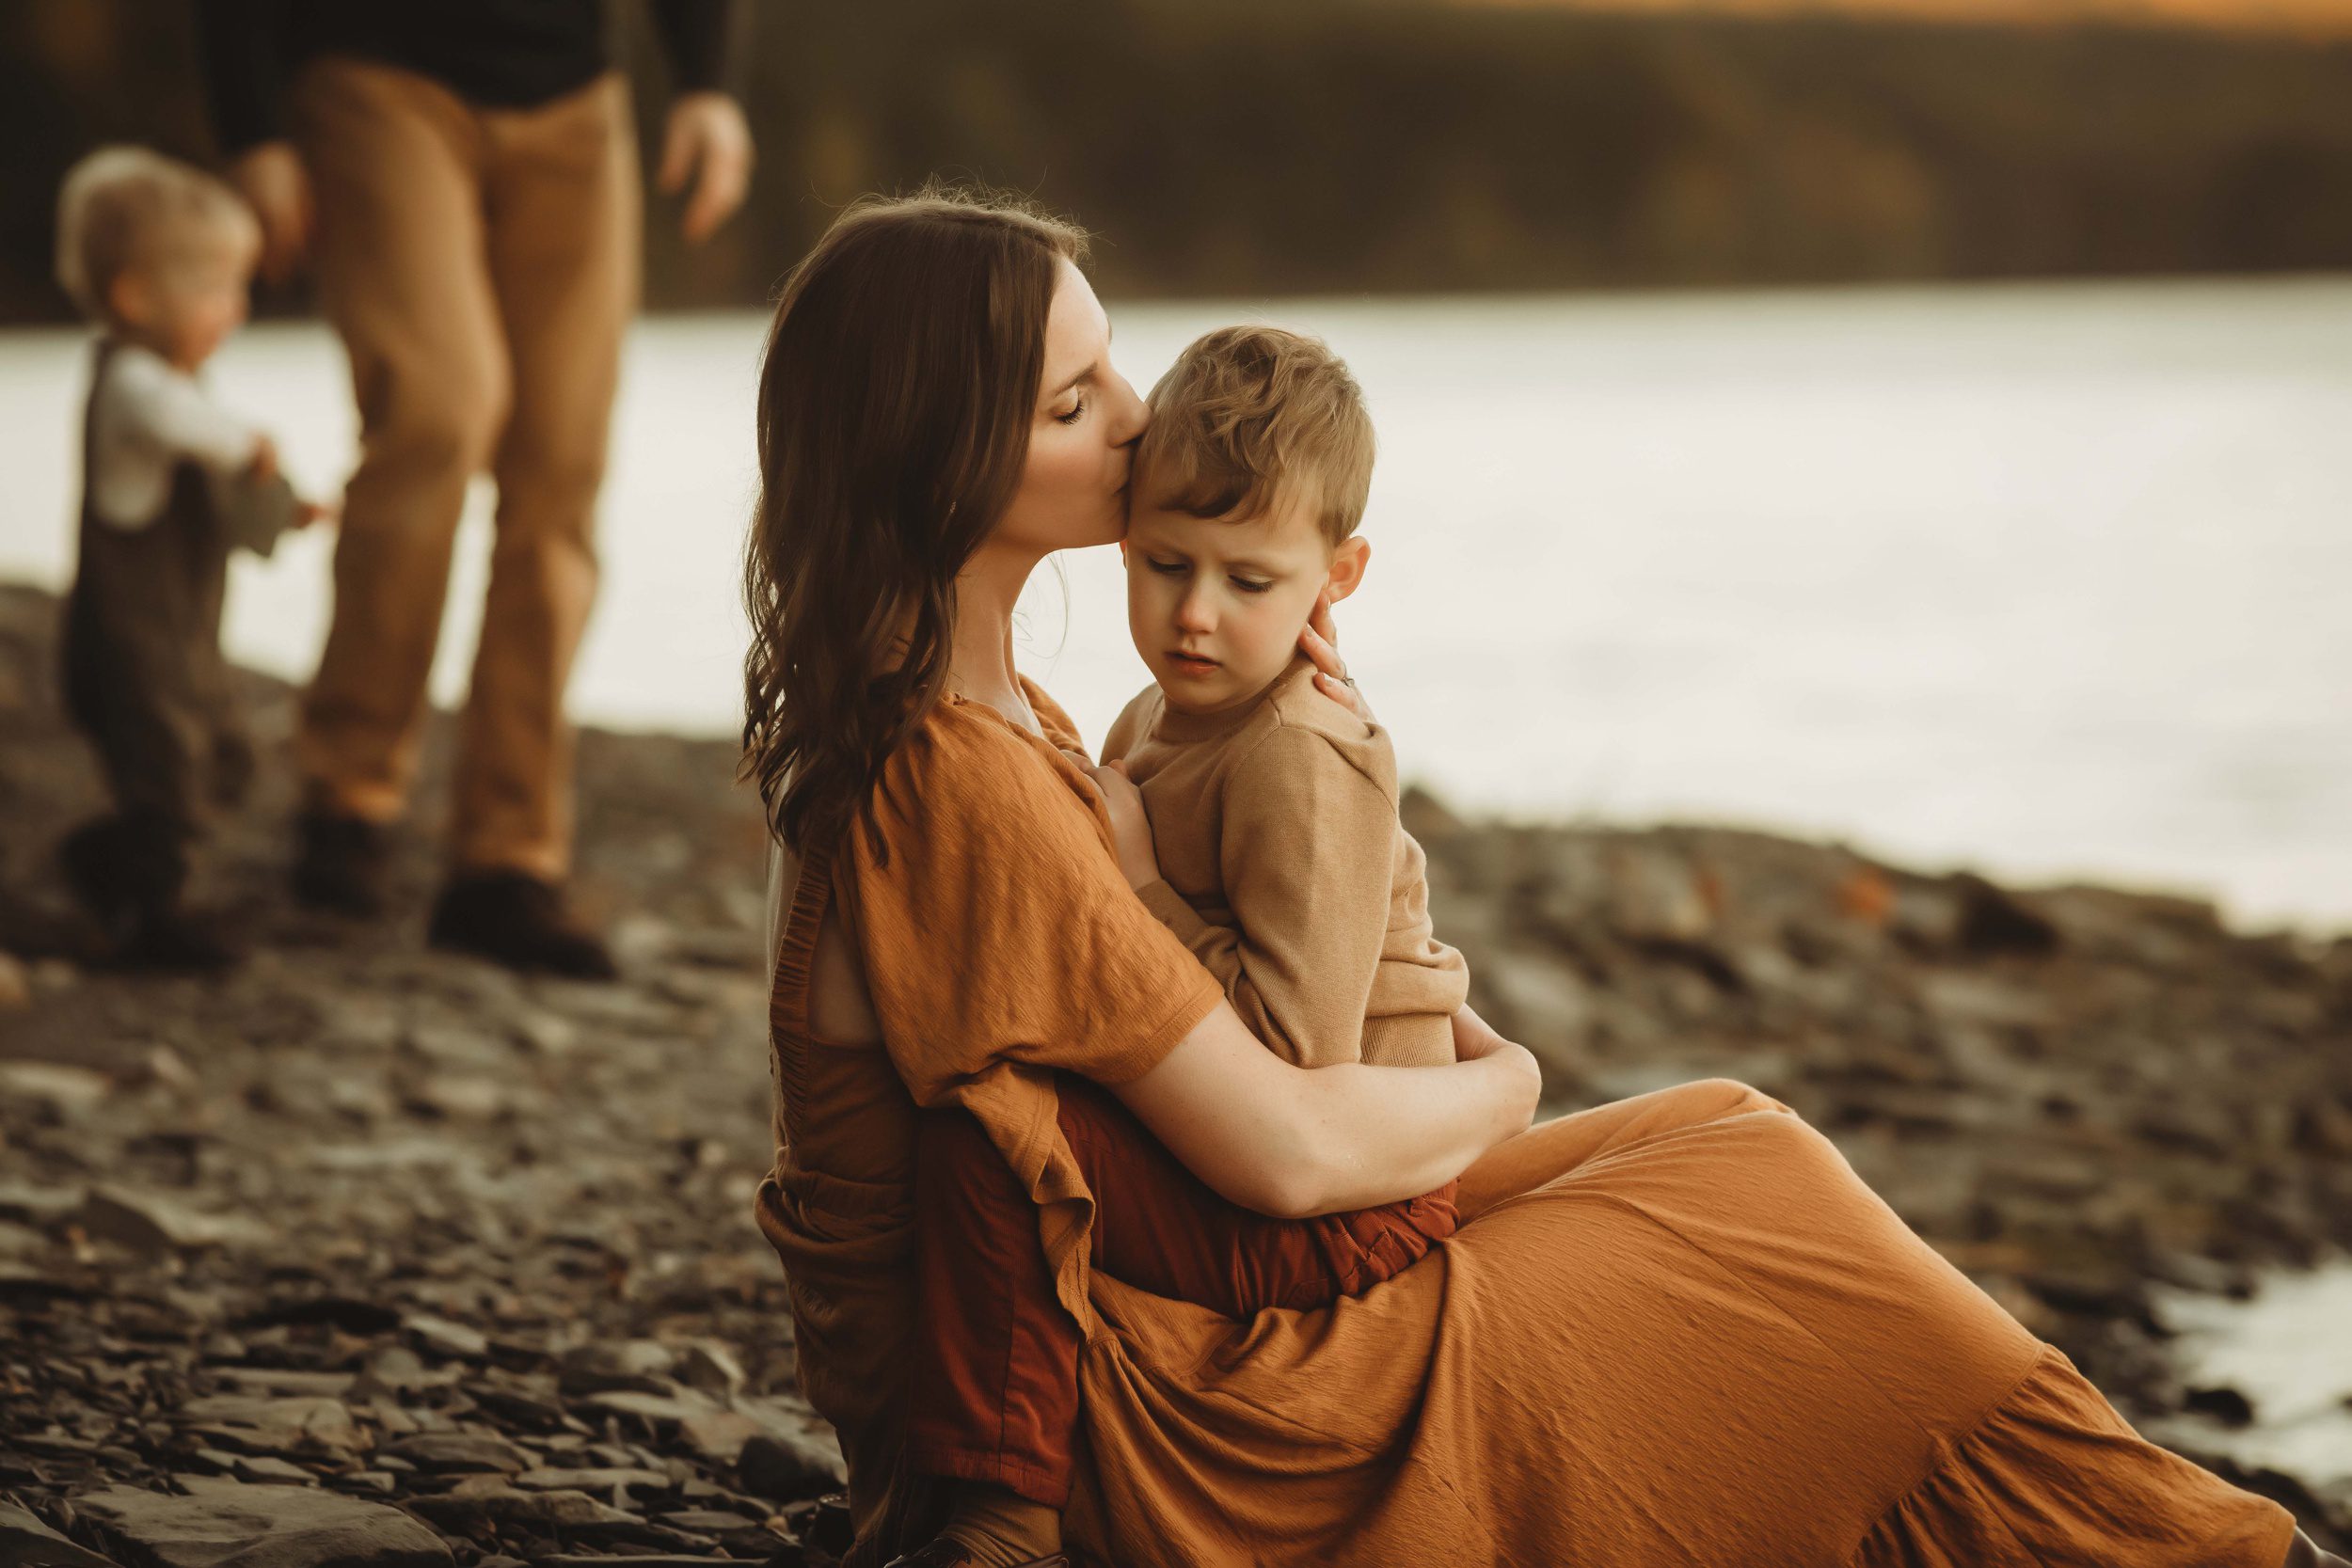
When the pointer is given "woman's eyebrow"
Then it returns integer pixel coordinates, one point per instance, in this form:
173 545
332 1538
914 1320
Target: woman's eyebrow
1087 374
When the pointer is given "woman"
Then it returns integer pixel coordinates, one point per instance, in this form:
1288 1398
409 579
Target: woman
1677 1329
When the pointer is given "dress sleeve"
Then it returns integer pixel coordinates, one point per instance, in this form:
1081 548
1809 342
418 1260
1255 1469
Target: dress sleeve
1308 856
996 925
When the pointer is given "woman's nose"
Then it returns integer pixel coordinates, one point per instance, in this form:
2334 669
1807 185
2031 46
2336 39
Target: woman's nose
1130 415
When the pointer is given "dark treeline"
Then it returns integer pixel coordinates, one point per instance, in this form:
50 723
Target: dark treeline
1222 147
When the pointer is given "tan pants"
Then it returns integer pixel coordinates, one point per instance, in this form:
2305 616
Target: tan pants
481 265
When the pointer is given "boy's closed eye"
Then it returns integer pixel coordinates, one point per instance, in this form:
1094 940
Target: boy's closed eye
1183 568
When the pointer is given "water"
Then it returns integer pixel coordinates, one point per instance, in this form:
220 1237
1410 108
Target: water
2047 579
2288 1349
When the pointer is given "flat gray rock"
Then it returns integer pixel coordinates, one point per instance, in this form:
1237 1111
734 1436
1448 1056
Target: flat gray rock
26 1543
226 1524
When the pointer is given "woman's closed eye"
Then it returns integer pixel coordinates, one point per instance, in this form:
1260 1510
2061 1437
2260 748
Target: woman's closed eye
1076 412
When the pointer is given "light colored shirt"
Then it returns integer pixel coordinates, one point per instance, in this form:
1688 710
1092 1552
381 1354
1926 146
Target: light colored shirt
147 417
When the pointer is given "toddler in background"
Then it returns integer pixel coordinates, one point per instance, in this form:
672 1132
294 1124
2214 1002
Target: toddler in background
159 255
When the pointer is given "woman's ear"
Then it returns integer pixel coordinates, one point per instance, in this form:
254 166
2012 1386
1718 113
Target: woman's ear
1347 568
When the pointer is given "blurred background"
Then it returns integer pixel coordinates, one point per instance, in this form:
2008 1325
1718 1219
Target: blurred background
1883 440
1911 419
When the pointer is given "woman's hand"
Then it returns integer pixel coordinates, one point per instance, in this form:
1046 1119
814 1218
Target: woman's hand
1475 1041
1131 826
1320 641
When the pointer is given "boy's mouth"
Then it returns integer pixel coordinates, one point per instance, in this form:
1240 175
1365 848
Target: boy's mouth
1190 664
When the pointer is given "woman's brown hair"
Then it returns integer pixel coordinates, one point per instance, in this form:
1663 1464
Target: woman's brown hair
896 398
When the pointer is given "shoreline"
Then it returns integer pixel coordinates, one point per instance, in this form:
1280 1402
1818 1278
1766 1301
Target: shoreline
368 1223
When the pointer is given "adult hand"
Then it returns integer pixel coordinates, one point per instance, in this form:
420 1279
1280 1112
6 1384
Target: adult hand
274 184
1474 1039
1319 640
708 143
1131 827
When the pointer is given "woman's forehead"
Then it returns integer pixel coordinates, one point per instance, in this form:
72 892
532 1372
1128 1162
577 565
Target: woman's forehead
1076 329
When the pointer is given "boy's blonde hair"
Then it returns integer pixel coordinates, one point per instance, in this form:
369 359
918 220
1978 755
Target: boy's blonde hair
124 208
1250 416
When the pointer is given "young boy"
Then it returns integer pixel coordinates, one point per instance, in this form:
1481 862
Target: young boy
1273 809
158 254
1271 848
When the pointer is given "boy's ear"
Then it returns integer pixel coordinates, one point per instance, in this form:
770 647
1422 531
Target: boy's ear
1347 568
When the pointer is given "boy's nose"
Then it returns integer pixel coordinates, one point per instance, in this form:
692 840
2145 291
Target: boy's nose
1192 614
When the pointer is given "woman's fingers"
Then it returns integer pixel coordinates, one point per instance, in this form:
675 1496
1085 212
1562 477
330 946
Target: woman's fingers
1320 622
1318 648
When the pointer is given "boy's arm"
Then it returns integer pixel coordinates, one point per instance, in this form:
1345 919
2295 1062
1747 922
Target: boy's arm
174 413
1307 855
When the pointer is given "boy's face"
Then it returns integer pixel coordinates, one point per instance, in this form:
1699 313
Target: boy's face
1216 606
188 310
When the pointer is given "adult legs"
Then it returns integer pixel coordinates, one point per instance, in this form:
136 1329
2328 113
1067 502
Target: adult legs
561 191
395 163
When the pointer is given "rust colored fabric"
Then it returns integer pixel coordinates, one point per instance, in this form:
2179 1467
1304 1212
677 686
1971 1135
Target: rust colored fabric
1673 1330
996 1390
481 268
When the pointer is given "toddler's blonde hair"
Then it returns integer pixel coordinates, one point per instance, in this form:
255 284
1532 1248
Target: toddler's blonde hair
124 208
1249 417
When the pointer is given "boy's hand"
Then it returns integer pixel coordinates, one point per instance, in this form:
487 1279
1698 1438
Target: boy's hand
1131 827
1320 641
274 182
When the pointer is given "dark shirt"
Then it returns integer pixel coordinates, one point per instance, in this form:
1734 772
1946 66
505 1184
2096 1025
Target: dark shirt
496 54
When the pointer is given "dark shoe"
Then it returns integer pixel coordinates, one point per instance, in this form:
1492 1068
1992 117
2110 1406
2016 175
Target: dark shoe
340 863
176 939
120 865
519 921
947 1552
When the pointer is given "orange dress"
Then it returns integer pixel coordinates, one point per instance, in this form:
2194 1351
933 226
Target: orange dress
1673 1330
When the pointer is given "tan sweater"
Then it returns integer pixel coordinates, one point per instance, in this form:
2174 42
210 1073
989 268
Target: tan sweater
1286 872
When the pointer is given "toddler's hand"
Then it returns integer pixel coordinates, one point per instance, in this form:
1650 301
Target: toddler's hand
1131 826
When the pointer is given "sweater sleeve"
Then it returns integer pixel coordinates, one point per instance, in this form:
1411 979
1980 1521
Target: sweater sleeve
1307 855
704 39
996 925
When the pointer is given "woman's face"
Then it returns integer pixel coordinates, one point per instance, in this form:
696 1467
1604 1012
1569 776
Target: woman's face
1082 434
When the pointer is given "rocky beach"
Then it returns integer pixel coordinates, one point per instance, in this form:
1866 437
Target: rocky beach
369 1255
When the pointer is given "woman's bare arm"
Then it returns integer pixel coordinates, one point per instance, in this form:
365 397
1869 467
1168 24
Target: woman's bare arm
1292 1142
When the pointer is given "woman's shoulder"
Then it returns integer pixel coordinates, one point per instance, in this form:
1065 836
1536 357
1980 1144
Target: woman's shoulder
1059 727
965 765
